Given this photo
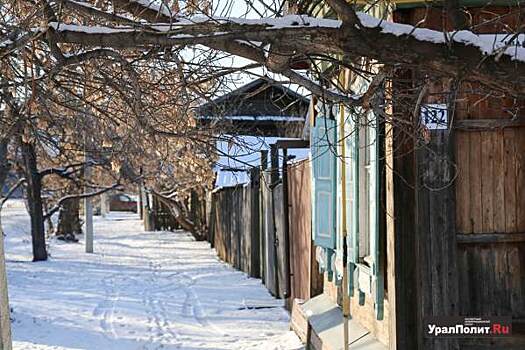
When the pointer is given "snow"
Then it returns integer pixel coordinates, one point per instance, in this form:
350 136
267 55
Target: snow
290 21
244 152
157 6
6 43
139 290
63 27
487 45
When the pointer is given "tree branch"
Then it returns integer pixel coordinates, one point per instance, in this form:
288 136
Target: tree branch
11 191
62 200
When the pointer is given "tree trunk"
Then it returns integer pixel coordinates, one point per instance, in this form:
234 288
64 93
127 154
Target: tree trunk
5 317
34 199
5 314
69 220
4 163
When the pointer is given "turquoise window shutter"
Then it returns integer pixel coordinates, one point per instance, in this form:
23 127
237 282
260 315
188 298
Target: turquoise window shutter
365 277
324 162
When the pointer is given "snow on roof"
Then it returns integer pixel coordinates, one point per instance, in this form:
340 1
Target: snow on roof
240 153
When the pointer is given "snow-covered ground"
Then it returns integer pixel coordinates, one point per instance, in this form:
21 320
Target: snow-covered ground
140 290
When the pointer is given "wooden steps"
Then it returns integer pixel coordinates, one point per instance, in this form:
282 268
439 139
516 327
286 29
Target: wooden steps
319 323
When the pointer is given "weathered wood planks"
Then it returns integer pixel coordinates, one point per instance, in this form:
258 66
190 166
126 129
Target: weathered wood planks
235 230
436 233
306 281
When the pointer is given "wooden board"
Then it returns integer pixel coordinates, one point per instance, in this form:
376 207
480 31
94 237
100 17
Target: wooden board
270 273
255 233
436 230
306 281
479 247
282 253
490 192
236 227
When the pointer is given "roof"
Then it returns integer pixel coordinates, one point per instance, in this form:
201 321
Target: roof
258 84
257 108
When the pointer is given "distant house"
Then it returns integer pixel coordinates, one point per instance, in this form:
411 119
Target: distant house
257 108
248 120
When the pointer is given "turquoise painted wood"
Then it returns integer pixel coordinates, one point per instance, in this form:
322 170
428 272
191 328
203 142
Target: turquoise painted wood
352 199
363 278
324 162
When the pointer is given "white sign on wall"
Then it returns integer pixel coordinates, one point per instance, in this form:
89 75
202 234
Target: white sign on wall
434 116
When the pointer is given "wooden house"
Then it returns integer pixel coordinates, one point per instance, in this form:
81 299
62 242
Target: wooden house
260 127
406 233
258 108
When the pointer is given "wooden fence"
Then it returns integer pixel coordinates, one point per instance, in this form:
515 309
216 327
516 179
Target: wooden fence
275 253
158 216
306 281
234 225
264 229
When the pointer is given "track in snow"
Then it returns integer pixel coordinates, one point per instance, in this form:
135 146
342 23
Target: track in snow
139 291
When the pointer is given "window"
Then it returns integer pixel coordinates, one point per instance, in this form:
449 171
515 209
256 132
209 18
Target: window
363 212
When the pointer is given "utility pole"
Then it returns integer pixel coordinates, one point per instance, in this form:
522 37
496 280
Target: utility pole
88 207
140 204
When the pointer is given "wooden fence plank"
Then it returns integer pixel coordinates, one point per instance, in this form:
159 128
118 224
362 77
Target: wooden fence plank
255 257
509 142
306 281
437 233
269 236
476 211
499 182
520 178
464 224
487 174
281 252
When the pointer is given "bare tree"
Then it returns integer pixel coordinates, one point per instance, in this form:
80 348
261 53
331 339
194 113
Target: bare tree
133 70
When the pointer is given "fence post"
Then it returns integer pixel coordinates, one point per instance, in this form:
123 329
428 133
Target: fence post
286 225
255 226
274 160
262 216
264 159
274 180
